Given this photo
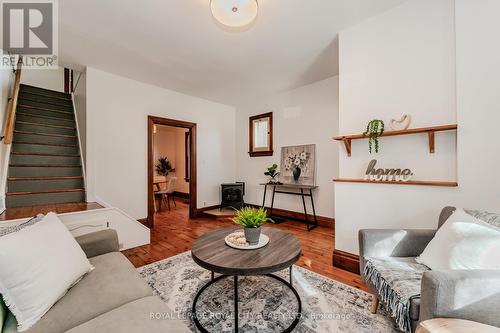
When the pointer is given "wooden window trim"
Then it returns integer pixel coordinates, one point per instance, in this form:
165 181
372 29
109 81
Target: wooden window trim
187 138
251 151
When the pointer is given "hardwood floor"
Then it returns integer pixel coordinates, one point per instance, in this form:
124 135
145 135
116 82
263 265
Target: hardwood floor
24 212
174 233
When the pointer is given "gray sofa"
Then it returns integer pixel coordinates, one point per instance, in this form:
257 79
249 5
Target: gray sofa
388 266
111 298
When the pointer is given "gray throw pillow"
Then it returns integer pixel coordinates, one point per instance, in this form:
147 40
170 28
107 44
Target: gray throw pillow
8 230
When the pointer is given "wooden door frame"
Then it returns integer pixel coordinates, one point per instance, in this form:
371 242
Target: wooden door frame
152 121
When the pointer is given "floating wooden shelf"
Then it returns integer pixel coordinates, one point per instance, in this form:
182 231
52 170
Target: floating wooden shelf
429 130
411 182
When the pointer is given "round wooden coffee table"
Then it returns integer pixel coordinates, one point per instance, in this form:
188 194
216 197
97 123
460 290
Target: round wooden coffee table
211 252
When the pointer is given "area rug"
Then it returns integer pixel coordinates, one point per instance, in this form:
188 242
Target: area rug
265 305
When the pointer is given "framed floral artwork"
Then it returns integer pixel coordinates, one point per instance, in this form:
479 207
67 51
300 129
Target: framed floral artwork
298 165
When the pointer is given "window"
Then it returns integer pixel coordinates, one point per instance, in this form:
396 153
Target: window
261 135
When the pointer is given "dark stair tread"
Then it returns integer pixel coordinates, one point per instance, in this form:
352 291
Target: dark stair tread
44 178
44 166
44 109
44 102
43 125
44 144
44 154
42 116
46 192
46 134
45 95
54 92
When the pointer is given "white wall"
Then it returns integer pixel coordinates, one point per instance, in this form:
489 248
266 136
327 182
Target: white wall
404 61
306 115
478 84
401 62
117 110
52 79
164 144
6 81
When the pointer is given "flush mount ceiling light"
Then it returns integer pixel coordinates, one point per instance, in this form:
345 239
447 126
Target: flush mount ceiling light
234 13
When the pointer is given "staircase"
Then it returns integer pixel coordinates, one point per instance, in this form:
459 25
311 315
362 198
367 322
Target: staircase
45 164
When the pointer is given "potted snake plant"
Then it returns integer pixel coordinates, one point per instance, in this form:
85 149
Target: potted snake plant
251 219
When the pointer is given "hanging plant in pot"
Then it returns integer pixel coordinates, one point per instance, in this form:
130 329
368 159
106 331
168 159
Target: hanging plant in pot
251 219
374 129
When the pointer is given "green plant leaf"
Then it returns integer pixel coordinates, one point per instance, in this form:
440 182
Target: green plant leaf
249 217
374 129
163 166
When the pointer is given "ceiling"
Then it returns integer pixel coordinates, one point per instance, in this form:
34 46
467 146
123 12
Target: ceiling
176 44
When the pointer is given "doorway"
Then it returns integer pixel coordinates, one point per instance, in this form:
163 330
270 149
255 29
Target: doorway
187 168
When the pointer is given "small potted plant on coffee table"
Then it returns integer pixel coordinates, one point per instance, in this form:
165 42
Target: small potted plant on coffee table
251 219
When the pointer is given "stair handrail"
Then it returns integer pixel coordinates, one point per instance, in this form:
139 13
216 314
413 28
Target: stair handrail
11 115
77 124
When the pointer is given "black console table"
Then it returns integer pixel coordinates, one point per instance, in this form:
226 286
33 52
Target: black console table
300 190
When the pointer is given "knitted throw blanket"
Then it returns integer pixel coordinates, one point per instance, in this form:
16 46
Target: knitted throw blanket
397 281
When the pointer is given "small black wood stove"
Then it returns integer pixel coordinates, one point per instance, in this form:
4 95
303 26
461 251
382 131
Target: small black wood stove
232 195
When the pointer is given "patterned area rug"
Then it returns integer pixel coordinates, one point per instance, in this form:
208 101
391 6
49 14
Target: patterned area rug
265 305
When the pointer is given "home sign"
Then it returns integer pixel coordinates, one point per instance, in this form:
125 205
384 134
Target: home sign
387 175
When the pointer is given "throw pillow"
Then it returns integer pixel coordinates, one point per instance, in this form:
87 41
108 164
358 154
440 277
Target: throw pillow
8 230
38 264
463 242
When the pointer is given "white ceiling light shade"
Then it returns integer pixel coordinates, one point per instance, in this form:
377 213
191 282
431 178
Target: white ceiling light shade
234 13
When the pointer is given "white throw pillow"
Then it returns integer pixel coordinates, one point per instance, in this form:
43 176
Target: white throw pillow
463 242
38 265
